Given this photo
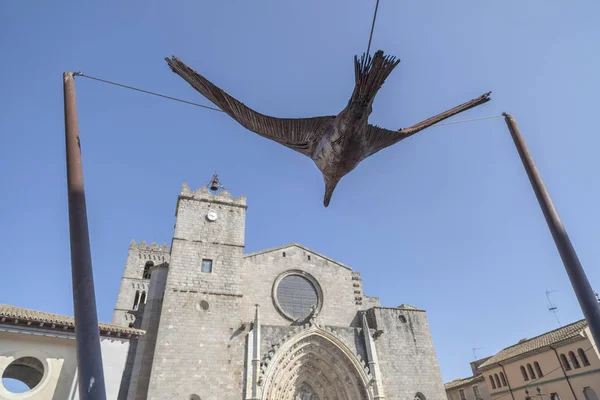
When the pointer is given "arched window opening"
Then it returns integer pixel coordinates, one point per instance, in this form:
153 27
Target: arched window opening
23 374
492 382
565 362
476 392
419 396
136 299
583 357
503 378
461 393
574 360
497 380
538 369
146 274
530 370
143 298
524 373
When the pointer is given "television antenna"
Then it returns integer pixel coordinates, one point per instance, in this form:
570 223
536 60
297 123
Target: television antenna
552 307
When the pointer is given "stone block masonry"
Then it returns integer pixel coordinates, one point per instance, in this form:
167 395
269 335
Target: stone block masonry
206 342
406 354
200 346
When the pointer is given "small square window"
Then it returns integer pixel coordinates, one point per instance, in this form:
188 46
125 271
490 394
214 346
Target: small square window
206 265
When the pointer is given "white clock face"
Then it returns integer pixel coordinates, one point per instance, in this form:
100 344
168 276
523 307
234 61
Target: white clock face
212 216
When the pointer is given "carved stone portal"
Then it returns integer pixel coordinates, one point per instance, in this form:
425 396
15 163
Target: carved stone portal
305 392
315 366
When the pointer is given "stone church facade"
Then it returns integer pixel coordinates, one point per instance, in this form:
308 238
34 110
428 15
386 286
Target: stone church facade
280 324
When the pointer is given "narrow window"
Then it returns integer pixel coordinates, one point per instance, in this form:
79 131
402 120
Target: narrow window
476 392
554 396
146 274
530 370
589 393
462 394
524 373
143 298
538 369
136 299
206 265
492 382
497 380
565 362
503 378
583 357
308 258
574 360
284 253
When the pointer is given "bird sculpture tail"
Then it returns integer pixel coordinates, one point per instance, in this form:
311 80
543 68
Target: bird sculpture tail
370 73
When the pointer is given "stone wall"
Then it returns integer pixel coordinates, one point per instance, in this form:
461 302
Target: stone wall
406 354
206 316
200 346
137 256
336 281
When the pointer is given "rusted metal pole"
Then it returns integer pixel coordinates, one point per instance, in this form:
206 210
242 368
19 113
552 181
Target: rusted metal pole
581 285
89 357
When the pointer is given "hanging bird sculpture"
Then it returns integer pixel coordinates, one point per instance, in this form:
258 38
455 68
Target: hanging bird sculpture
337 144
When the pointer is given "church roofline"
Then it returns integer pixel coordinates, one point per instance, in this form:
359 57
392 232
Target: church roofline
14 315
402 307
257 253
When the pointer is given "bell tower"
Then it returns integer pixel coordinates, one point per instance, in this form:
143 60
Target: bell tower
203 296
208 242
136 280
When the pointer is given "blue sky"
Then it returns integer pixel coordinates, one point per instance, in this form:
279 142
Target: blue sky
445 220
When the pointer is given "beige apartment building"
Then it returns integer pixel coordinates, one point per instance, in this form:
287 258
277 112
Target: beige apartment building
563 364
471 388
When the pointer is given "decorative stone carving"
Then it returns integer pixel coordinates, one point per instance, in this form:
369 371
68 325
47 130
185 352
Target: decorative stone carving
314 364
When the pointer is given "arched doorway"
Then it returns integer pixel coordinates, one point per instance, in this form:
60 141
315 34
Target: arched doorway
315 365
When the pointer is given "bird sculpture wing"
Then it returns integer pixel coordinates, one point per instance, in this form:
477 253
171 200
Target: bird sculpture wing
300 134
380 138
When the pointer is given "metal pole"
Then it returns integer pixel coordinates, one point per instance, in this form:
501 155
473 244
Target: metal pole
89 357
581 285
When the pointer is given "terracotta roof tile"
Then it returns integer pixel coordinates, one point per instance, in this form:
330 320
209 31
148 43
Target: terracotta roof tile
24 315
463 381
538 342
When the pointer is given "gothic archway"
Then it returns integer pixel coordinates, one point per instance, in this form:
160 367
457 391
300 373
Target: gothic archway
315 365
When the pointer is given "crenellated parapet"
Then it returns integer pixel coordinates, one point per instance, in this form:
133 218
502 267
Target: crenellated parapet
150 252
204 194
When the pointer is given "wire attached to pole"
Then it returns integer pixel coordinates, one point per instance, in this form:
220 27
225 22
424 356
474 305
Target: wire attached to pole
146 91
465 120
